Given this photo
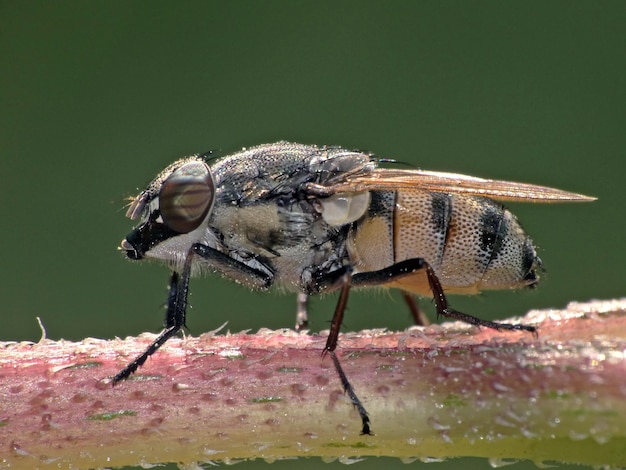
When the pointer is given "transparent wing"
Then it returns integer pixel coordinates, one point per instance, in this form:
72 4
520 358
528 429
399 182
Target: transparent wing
433 181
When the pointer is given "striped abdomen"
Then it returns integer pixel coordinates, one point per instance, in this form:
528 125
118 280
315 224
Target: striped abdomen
472 243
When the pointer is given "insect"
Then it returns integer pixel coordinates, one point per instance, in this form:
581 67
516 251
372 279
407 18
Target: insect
321 219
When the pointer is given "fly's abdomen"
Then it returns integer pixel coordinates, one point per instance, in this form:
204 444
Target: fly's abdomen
472 243
506 251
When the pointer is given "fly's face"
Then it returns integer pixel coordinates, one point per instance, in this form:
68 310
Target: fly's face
174 210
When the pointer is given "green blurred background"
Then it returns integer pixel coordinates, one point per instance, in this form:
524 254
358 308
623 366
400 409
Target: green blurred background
96 97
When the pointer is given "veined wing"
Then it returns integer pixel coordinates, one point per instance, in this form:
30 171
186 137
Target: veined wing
434 181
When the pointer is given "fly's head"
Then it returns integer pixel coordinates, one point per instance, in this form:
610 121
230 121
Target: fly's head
173 211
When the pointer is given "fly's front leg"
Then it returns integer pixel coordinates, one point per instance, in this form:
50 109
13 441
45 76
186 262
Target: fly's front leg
174 319
179 290
234 269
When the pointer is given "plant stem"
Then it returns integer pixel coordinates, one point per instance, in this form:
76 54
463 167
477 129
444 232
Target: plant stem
440 391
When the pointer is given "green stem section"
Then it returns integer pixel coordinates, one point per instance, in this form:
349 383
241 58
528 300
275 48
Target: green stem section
433 392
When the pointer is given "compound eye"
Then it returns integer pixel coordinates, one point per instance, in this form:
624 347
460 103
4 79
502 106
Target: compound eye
186 197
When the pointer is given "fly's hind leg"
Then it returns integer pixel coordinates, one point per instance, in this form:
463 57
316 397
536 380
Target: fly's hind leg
419 317
407 267
443 309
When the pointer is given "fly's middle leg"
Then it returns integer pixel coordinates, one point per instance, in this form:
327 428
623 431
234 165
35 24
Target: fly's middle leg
331 345
340 279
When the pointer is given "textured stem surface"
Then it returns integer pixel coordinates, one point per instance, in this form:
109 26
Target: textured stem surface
441 391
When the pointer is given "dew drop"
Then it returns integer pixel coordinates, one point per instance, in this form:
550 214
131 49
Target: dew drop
497 462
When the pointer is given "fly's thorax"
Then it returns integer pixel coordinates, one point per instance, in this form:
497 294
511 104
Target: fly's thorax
280 169
334 164
255 228
293 240
262 213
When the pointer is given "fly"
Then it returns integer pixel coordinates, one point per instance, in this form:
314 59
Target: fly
322 219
